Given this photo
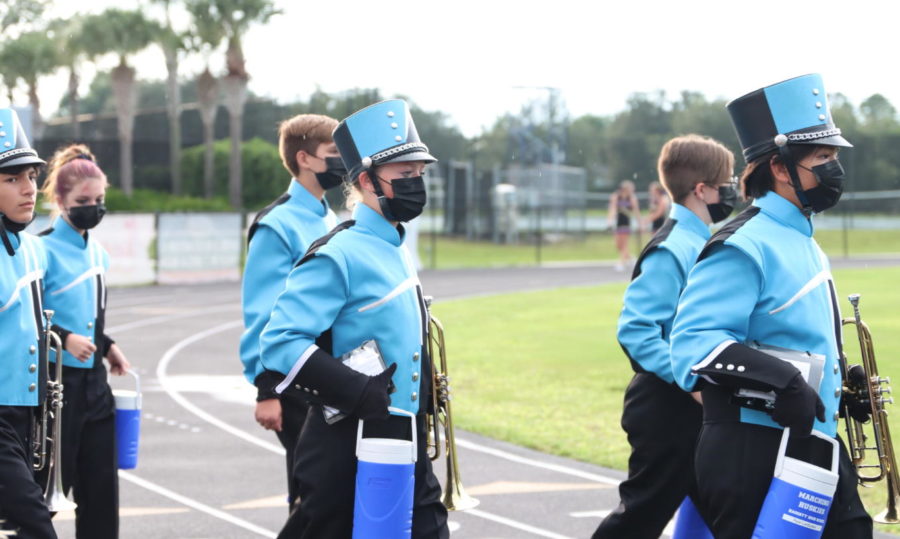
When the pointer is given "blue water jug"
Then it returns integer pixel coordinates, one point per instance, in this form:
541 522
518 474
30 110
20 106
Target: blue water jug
128 423
385 484
689 524
799 497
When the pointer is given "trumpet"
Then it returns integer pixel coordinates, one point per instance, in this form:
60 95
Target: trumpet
440 421
50 417
872 391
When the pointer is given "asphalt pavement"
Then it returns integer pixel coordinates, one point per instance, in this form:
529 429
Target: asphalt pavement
206 469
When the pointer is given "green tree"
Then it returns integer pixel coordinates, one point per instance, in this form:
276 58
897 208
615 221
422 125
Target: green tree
69 35
234 17
28 57
122 33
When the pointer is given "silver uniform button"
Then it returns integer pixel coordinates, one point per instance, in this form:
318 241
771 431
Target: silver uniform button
730 367
837 416
837 392
835 368
31 349
90 325
416 356
32 387
414 396
741 368
32 367
718 365
415 377
315 391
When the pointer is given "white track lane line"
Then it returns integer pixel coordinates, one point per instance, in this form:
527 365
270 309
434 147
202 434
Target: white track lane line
169 317
196 505
170 354
163 379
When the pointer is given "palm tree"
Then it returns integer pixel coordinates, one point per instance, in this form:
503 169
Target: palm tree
122 33
28 57
69 36
234 17
173 44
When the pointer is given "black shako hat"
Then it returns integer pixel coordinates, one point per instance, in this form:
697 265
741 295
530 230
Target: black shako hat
794 111
378 134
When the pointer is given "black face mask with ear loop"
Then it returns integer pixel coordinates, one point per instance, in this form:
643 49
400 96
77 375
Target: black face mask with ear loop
86 217
829 188
720 211
409 197
334 173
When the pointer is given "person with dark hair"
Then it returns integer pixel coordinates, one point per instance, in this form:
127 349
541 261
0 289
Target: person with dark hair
659 206
278 238
762 291
623 206
660 419
75 288
23 262
355 285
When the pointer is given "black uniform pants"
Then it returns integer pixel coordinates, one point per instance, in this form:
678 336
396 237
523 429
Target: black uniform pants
662 423
89 458
325 471
293 414
734 465
22 505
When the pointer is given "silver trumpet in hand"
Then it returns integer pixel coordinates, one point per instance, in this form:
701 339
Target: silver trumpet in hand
48 424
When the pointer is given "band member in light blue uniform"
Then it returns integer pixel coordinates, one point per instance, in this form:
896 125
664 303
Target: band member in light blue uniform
23 384
278 238
75 288
763 279
357 284
661 420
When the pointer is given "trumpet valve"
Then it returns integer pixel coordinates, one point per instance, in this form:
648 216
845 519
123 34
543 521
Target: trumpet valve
887 400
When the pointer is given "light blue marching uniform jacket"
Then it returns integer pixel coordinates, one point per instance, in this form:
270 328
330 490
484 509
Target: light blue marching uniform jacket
362 285
75 285
652 297
21 319
280 239
768 282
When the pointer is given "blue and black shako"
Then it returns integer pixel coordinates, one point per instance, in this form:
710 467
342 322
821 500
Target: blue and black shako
75 287
789 113
385 133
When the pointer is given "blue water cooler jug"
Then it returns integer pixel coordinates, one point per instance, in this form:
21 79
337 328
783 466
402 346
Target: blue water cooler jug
799 497
689 524
128 423
385 484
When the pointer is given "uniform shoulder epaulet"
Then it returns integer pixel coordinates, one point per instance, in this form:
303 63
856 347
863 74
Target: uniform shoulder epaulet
265 211
728 230
654 242
319 243
46 231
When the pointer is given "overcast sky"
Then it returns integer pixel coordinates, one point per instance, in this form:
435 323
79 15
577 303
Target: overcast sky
467 58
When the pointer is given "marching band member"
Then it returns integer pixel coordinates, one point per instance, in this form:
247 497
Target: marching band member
357 284
279 236
75 288
22 386
763 279
661 420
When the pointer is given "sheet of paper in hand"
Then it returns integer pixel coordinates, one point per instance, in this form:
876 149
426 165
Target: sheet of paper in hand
365 358
810 365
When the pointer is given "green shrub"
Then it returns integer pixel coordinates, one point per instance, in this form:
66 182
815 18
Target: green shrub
264 177
146 200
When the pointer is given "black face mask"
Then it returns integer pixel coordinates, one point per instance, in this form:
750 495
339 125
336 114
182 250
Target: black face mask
831 185
722 209
408 202
86 217
334 173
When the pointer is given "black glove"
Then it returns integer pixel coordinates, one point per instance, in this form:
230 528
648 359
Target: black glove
374 401
797 405
856 400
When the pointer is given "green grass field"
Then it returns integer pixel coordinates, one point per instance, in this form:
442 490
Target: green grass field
458 253
544 370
